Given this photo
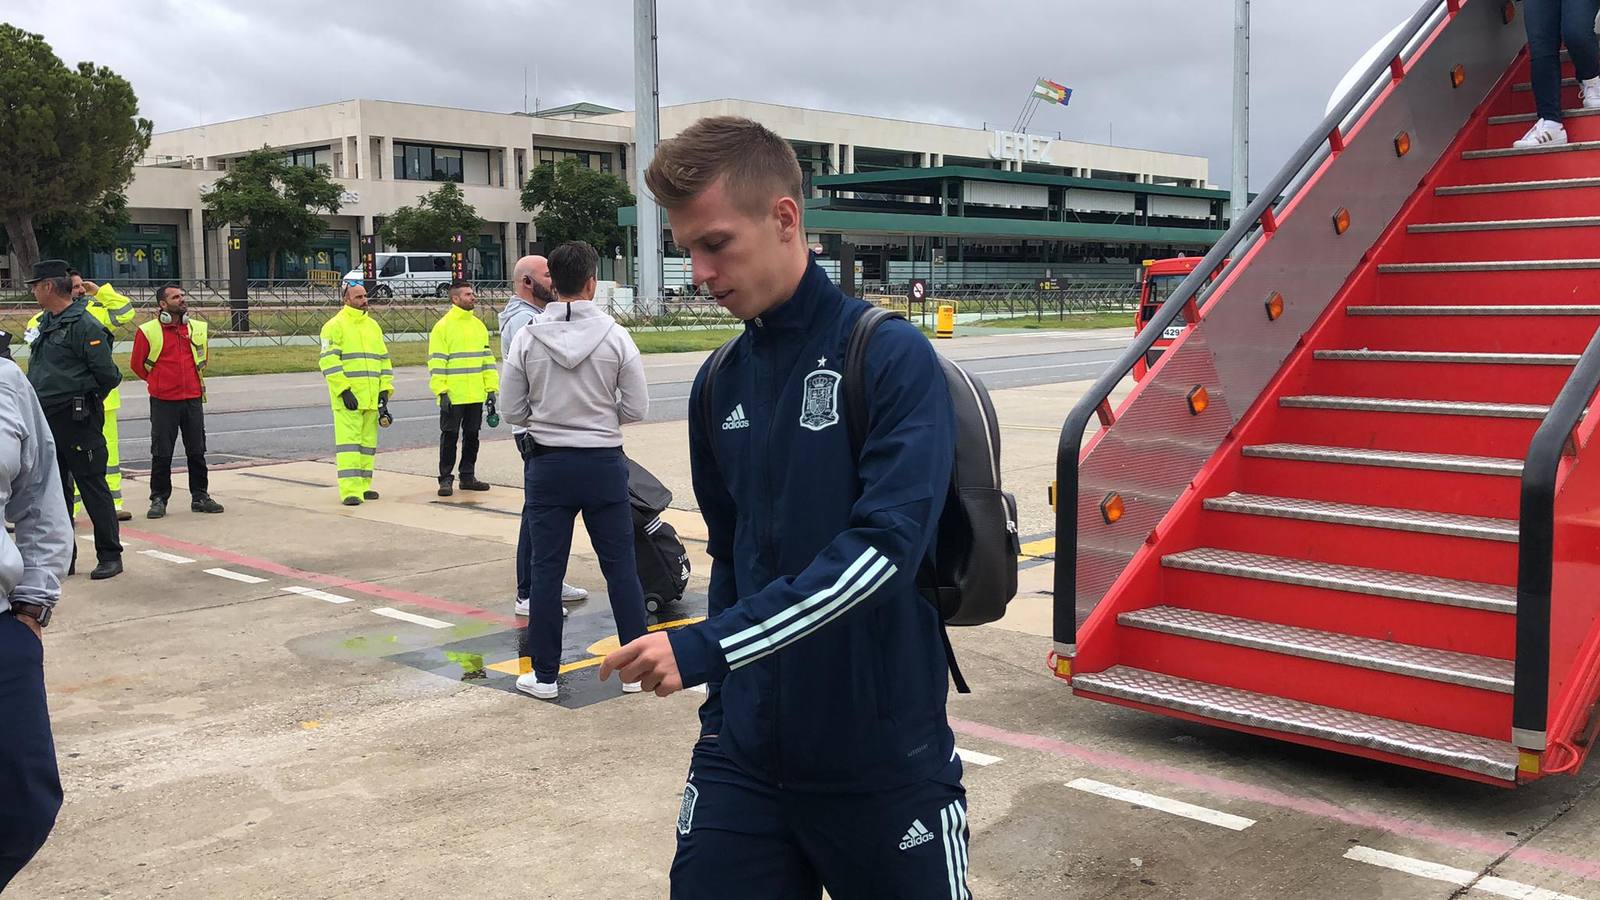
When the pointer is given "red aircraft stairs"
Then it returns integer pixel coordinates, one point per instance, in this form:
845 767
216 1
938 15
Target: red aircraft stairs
1356 506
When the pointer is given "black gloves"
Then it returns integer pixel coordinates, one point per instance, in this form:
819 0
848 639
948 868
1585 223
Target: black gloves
385 419
349 399
444 403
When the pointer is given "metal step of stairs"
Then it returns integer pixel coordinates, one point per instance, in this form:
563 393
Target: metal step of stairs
1483 756
1391 459
1449 356
1499 265
1349 579
1541 150
1445 666
1502 225
1516 118
1502 187
1487 309
1391 518
1418 407
1523 87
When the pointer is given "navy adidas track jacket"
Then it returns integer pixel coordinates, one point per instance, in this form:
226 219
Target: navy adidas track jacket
825 667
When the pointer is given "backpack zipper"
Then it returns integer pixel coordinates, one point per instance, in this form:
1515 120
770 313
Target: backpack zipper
988 431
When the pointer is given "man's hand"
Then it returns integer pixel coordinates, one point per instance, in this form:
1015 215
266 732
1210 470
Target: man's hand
90 287
647 660
444 402
349 399
33 625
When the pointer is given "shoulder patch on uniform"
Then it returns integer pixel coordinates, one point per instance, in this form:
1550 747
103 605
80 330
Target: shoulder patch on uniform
819 406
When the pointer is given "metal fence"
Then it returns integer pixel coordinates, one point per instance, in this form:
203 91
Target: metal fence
284 313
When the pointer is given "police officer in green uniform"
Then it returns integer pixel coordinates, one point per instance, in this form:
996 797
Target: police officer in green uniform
71 369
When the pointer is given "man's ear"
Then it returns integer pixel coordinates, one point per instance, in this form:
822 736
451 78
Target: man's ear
787 214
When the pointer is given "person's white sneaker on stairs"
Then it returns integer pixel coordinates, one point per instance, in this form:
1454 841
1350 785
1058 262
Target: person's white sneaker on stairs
1544 133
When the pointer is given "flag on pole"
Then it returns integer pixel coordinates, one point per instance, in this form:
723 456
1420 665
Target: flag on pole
1052 92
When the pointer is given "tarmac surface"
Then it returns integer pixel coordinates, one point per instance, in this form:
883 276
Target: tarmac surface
297 699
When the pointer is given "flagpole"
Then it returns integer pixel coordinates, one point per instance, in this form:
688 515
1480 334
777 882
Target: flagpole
1240 189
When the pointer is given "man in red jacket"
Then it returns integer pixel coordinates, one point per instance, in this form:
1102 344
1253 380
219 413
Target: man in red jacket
169 354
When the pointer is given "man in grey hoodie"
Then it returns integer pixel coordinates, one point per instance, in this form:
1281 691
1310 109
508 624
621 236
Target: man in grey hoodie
573 378
530 286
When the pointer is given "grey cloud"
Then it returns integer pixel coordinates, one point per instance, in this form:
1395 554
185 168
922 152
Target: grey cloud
1159 71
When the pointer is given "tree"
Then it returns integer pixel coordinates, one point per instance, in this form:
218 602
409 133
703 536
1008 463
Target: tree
67 137
93 228
571 202
430 224
276 202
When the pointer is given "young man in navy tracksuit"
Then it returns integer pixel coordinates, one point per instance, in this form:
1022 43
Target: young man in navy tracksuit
825 759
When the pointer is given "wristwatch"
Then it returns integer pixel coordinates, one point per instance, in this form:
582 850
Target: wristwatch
34 611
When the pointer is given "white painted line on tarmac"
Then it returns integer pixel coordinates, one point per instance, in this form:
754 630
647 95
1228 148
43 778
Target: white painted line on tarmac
410 617
1488 884
167 557
315 594
699 689
235 576
1082 365
1163 804
976 758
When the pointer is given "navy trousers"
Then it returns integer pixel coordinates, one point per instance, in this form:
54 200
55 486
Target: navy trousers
30 786
742 837
1551 23
560 483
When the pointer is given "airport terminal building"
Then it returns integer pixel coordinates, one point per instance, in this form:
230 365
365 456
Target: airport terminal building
917 199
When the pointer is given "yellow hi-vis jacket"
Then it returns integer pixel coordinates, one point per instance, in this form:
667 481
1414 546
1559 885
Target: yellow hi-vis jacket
198 338
355 358
110 309
460 358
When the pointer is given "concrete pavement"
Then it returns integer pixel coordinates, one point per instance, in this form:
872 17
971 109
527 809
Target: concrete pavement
301 700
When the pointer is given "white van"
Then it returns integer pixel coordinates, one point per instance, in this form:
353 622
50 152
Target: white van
408 275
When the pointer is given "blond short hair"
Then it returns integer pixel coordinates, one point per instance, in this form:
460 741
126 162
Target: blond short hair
756 163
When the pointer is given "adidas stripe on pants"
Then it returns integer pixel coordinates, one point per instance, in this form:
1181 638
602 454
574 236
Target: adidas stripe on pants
742 837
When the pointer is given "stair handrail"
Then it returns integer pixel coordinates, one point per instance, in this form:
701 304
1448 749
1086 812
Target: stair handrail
1260 214
1554 439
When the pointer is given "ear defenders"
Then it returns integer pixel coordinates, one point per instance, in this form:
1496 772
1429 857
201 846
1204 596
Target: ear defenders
166 318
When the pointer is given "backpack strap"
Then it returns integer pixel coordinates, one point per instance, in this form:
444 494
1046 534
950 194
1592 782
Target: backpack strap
855 373
856 421
713 364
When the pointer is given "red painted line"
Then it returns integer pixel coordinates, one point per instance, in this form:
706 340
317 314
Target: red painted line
438 604
1492 845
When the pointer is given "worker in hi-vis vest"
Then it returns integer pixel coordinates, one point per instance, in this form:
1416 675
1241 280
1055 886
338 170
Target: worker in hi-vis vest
169 355
355 363
462 374
112 310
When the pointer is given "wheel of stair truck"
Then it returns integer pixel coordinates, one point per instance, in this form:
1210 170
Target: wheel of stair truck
653 603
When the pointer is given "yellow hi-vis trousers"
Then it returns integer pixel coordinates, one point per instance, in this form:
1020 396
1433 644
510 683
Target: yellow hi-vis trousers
355 445
113 467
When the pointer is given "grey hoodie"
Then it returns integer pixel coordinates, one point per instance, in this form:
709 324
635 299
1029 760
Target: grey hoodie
516 314
573 378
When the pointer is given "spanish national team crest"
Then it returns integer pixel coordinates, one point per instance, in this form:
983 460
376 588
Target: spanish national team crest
819 408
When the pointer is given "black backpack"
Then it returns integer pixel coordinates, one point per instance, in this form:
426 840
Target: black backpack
970 574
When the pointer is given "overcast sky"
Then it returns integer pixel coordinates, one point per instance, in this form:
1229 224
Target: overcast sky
1155 73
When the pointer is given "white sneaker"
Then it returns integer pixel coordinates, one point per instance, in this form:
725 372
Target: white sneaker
1589 92
1544 133
521 606
631 687
531 685
570 594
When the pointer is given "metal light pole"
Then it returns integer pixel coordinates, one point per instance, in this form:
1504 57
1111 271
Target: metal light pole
1241 108
646 133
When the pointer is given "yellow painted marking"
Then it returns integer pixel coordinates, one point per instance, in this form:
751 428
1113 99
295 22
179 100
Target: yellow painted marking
1040 548
310 724
597 652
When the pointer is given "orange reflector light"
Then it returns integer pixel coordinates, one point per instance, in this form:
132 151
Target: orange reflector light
1111 508
1341 221
1527 762
1508 12
1198 400
1063 667
1402 144
1458 74
1274 306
